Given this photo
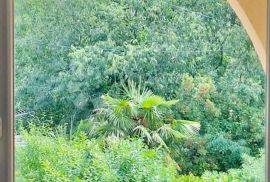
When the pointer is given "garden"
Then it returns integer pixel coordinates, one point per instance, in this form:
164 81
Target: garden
136 91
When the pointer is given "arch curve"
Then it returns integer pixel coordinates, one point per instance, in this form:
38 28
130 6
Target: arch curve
253 16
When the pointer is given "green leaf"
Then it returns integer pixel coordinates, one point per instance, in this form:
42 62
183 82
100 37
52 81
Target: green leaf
110 100
152 101
169 103
188 122
166 131
186 126
143 132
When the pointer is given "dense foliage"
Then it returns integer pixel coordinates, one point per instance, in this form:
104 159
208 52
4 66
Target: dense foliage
207 153
50 158
190 62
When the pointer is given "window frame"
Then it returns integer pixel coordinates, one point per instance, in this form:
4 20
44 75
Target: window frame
6 91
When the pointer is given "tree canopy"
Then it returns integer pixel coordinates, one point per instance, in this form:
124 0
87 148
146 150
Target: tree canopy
70 53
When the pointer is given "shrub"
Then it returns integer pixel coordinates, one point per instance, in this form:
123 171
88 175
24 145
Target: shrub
213 153
221 108
253 170
188 178
192 156
227 153
51 157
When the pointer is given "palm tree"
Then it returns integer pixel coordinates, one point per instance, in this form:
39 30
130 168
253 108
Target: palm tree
140 113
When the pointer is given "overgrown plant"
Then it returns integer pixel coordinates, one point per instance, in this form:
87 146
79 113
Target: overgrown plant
49 157
139 113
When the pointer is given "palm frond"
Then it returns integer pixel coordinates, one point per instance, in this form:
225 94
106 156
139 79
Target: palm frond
152 101
186 126
120 121
166 132
118 104
157 113
156 137
143 132
169 103
136 92
109 130
110 100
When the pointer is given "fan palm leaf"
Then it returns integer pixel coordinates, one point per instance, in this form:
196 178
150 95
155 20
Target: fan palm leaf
186 126
143 132
152 101
158 139
136 92
166 132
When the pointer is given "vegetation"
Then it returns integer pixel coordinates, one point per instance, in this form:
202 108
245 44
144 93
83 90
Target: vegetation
160 90
141 114
51 158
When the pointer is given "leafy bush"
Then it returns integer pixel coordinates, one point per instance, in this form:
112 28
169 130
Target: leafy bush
192 156
227 153
252 170
213 153
222 109
188 178
49 156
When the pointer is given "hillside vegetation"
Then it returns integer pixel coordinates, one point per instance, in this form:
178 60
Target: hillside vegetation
144 90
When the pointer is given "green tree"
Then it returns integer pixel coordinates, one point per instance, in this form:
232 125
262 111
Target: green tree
70 53
73 51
